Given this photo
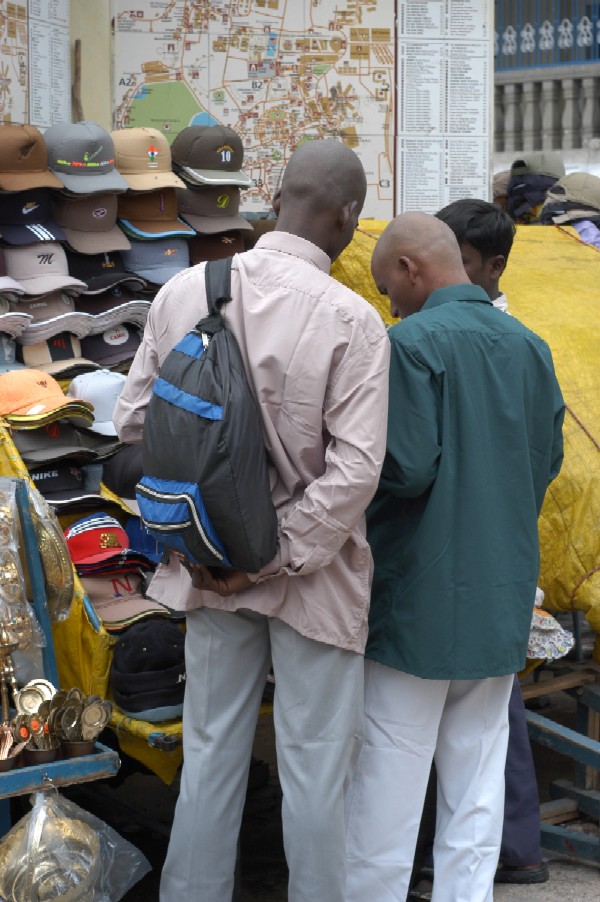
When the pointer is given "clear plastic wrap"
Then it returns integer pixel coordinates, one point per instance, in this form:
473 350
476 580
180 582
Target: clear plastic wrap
60 852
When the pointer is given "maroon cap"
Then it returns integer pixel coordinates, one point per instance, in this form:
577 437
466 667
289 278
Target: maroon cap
215 247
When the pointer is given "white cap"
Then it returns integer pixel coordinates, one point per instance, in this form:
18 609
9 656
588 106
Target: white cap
102 389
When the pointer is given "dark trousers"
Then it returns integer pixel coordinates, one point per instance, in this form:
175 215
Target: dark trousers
521 831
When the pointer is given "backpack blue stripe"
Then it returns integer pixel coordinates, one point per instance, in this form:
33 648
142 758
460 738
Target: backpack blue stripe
191 345
180 398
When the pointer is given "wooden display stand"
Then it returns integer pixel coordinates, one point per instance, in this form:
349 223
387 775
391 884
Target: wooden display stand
103 762
581 796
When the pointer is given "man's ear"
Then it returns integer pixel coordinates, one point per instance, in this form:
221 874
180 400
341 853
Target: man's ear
497 266
345 214
276 202
409 267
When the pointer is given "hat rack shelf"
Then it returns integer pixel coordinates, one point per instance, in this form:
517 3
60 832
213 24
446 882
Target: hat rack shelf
103 762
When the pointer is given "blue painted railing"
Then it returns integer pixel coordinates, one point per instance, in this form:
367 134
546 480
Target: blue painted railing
539 33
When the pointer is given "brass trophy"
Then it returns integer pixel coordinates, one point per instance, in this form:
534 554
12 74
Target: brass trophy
16 625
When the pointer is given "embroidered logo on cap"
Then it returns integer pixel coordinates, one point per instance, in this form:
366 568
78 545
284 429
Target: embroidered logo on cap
30 207
225 152
169 252
116 336
45 258
152 157
222 201
99 212
109 540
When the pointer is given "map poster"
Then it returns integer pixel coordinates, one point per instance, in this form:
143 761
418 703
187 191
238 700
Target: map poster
35 62
445 79
277 72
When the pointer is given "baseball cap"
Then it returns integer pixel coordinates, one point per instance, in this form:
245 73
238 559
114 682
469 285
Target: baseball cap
99 541
60 440
50 314
113 307
500 183
30 398
215 247
143 157
41 270
11 323
82 155
23 161
212 209
8 286
152 215
101 389
118 600
61 484
113 346
8 358
577 188
209 155
90 223
26 218
148 671
157 261
101 271
58 356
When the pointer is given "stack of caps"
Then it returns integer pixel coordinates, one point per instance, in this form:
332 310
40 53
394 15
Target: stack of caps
148 671
209 159
82 156
111 571
59 437
33 257
147 213
573 197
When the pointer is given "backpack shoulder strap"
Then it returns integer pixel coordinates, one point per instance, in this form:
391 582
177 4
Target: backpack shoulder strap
217 275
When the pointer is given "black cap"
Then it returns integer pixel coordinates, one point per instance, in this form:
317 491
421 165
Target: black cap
148 666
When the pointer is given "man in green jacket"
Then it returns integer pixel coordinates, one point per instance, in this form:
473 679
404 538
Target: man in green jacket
474 438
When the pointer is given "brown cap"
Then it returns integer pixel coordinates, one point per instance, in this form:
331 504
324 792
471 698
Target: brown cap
143 158
23 161
212 209
90 223
152 215
209 155
215 247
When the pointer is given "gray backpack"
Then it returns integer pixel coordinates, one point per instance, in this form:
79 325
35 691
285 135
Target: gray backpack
205 491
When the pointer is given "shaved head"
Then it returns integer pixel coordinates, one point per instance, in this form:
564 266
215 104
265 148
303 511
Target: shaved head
415 255
322 194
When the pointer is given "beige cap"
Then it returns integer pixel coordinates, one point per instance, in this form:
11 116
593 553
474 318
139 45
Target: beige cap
23 159
41 269
143 157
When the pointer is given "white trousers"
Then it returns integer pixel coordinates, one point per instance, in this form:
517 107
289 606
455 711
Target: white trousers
318 718
409 721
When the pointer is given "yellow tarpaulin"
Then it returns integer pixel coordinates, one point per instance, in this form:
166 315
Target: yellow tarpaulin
552 284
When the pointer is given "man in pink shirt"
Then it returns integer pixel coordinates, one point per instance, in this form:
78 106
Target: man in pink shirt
316 356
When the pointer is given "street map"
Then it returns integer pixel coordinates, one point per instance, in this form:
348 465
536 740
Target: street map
279 72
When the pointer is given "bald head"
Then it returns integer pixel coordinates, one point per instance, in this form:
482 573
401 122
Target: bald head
415 255
322 194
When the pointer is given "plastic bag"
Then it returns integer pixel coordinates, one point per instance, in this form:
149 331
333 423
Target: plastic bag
59 851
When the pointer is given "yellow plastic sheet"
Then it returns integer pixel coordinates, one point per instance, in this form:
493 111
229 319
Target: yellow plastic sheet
552 283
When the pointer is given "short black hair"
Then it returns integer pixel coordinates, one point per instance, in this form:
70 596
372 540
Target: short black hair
487 227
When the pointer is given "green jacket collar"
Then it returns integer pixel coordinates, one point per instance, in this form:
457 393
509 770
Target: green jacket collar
466 291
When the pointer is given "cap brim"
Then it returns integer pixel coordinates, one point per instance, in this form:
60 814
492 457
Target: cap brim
171 229
77 324
100 283
14 324
215 177
23 181
212 225
98 242
151 181
46 284
93 184
32 234
8 286
7 367
160 276
72 366
107 429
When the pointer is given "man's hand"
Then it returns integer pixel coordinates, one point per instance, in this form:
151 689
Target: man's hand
223 582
